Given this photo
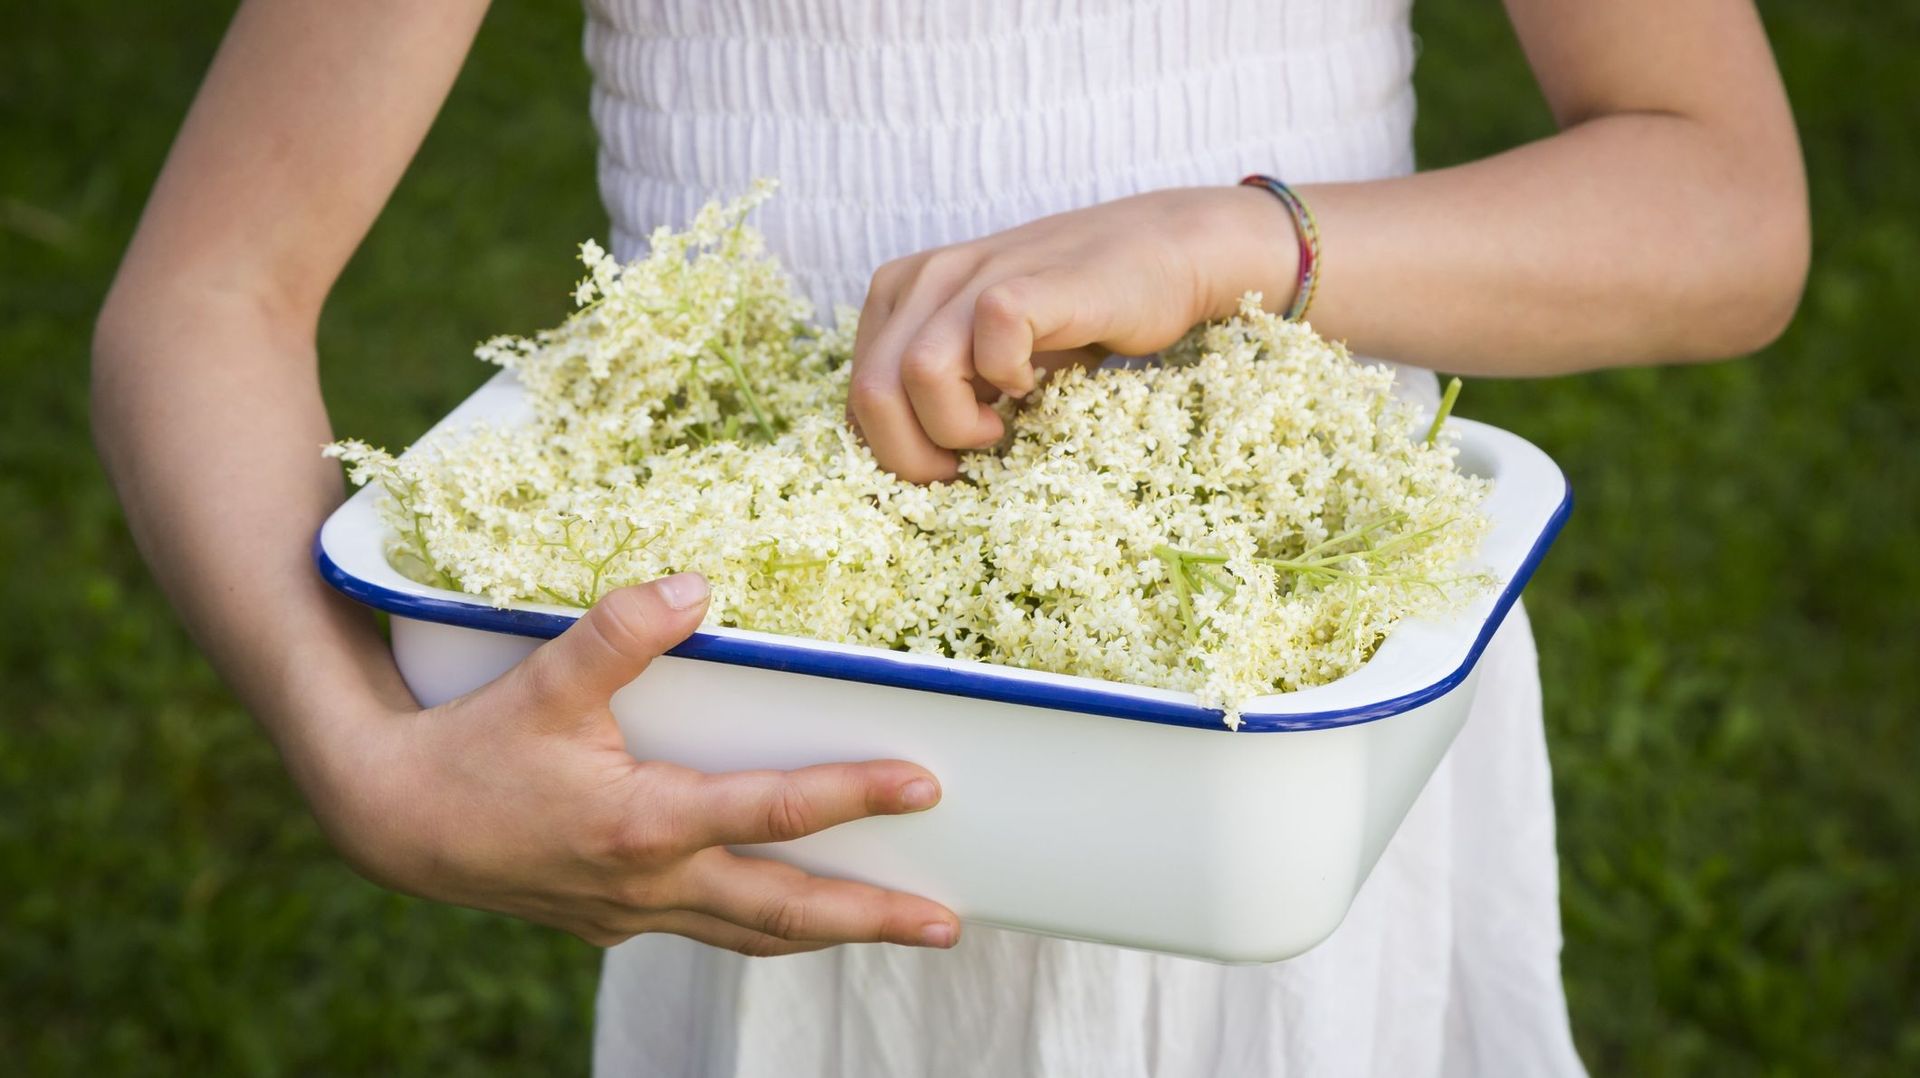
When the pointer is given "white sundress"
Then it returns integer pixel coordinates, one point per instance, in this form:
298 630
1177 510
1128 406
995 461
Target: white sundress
895 126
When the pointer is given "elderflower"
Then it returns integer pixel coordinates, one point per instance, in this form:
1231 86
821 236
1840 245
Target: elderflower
1252 516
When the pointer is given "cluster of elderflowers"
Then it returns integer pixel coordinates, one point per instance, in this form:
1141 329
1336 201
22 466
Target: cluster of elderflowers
1252 516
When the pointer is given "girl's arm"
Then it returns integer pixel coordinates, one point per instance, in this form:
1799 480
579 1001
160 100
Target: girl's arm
207 411
1666 221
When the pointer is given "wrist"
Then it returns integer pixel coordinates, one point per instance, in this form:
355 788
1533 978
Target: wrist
335 740
354 768
323 699
1254 248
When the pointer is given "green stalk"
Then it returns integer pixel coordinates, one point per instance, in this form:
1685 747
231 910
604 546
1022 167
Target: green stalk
1214 580
1177 571
1446 408
1352 534
784 566
1163 552
746 390
1190 570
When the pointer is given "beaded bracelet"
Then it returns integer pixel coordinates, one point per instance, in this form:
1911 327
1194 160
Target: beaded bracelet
1309 234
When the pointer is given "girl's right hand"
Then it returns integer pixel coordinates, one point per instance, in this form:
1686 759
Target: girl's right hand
521 797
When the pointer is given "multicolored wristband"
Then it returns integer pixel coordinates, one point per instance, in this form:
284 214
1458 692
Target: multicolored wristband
1309 234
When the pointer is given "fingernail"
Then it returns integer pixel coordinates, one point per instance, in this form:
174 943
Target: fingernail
938 934
682 590
918 794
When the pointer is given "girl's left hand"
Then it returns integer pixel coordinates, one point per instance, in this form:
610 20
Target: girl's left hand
947 331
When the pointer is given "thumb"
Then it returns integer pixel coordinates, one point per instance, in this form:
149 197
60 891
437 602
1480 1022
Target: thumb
613 642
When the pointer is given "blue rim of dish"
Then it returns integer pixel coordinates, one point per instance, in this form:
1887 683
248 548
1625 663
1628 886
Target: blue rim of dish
877 667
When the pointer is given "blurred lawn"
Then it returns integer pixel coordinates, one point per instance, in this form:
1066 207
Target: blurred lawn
1729 627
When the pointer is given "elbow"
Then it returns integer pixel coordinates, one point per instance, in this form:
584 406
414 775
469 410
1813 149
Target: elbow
111 370
1747 296
133 325
103 358
1770 287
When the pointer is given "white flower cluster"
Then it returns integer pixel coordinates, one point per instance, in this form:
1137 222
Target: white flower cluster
1252 516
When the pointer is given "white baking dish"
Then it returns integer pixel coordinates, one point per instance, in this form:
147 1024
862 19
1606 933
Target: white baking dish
1072 807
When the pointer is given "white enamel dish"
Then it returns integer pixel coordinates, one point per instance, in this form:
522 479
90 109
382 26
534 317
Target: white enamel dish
1071 807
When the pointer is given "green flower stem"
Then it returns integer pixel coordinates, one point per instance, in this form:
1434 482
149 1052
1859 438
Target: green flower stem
1212 579
1190 570
809 563
1176 561
746 390
1353 534
1446 408
414 536
1400 541
1165 552
563 600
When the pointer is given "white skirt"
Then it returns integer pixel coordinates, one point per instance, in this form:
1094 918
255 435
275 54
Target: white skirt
1448 964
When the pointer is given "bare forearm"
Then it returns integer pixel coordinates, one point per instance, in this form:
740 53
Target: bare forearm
207 404
209 418
207 410
1666 221
1630 239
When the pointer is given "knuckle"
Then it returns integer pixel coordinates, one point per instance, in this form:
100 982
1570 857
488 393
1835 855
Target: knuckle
947 263
602 935
761 945
638 893
867 392
601 843
784 916
1000 304
789 813
644 842
621 620
642 829
922 363
890 275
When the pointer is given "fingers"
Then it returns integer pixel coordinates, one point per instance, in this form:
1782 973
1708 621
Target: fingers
1053 311
670 872
885 418
788 904
882 292
612 643
726 935
745 807
907 296
923 380
937 372
1003 338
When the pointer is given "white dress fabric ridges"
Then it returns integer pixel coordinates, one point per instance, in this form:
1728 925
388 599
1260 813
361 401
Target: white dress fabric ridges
894 127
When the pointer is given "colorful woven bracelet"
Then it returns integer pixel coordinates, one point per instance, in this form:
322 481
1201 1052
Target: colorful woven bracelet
1309 234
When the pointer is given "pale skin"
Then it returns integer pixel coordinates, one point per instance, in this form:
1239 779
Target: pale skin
1665 222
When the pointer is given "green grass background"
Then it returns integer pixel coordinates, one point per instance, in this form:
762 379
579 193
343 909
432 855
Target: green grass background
1728 627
